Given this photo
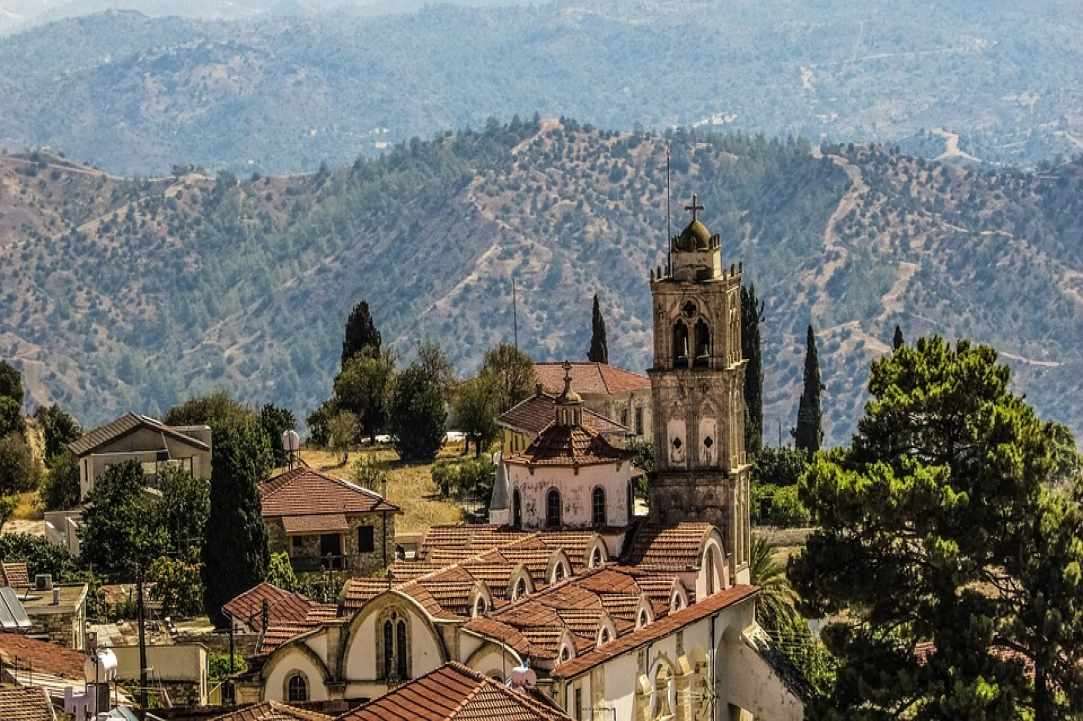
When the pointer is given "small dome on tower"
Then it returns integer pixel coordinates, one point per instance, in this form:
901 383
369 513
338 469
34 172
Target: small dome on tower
694 237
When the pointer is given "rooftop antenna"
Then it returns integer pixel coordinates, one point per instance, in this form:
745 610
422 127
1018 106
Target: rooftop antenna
669 231
514 313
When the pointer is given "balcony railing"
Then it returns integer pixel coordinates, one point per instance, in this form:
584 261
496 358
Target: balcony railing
306 564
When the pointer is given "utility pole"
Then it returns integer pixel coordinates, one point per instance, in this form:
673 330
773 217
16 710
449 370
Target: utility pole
140 616
669 231
514 313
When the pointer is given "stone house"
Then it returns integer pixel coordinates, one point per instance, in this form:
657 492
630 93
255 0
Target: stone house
607 390
58 612
179 672
327 523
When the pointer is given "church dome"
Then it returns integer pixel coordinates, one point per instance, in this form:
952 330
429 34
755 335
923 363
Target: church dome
694 237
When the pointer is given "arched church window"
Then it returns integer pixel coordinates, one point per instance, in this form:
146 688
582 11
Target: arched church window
680 345
597 506
559 573
297 688
520 589
393 647
402 652
603 636
596 559
552 508
516 509
643 619
565 654
703 344
389 648
479 606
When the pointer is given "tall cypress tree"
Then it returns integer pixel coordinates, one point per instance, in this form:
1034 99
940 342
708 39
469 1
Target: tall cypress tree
809 433
599 346
360 333
751 315
235 553
898 341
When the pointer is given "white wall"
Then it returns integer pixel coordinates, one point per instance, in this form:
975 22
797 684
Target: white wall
575 492
283 664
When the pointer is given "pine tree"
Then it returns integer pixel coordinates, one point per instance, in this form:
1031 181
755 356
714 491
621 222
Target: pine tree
599 346
898 341
751 315
235 546
809 433
361 333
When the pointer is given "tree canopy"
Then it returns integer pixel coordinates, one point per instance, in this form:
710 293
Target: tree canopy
513 373
361 335
809 431
751 349
950 546
599 344
418 414
120 532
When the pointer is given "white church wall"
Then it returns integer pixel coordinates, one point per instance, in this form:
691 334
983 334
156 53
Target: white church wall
425 649
287 662
575 492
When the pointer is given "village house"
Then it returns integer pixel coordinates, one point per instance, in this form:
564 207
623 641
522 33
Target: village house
42 608
326 523
607 390
617 616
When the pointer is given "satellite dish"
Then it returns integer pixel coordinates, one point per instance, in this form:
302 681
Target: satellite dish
291 442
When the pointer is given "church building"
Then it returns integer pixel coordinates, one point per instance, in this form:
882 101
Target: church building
619 617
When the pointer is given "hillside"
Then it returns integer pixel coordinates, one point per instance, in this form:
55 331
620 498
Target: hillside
125 294
280 93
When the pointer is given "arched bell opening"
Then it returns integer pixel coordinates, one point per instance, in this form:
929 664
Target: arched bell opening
702 344
680 345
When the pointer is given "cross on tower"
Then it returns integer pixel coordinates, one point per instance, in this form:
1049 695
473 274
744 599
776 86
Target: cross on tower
695 207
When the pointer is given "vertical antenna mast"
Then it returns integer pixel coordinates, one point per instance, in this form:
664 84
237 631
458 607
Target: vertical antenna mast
514 313
669 232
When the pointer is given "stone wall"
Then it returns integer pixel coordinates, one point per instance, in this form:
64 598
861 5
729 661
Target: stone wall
307 549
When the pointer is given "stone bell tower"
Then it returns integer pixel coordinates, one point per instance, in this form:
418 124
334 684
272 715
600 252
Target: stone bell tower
697 390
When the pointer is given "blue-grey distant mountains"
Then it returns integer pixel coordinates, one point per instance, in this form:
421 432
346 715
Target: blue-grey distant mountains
280 87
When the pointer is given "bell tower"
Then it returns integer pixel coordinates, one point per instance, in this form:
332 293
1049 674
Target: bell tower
697 391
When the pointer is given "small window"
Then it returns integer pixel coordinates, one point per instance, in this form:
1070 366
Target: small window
596 559
297 542
366 539
297 689
579 703
516 509
643 619
400 642
639 420
565 654
520 589
624 417
552 509
597 507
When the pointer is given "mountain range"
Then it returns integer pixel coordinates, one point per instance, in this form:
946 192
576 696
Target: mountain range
126 293
277 87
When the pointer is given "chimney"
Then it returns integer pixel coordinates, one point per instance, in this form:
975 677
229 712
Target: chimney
539 389
56 596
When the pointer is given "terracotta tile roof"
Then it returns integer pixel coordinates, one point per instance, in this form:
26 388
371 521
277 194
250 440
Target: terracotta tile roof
283 606
359 591
590 378
469 538
42 656
509 635
319 523
271 711
122 426
454 692
667 548
567 446
14 574
25 703
654 631
536 413
304 491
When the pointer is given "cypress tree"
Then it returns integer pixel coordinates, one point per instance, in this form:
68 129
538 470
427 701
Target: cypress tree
235 545
898 341
751 315
809 433
599 346
361 333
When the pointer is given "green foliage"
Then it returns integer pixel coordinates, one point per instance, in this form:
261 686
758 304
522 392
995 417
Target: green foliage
779 506
11 383
60 488
235 552
418 415
215 409
643 459
183 510
370 473
512 372
363 387
218 665
474 410
342 430
275 420
320 587
599 344
40 556
952 518
7 509
119 533
752 351
361 336
280 572
319 422
778 466
59 428
19 471
809 431
11 417
465 478
897 341
178 585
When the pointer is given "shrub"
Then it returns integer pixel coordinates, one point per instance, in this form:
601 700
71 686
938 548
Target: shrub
280 572
178 585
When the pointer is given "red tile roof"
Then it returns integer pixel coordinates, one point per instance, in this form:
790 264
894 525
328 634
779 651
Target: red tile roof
654 631
454 692
668 548
590 378
304 491
14 574
42 656
536 413
25 703
283 606
559 445
271 711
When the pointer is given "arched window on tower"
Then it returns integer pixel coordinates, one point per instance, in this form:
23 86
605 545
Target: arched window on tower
680 345
552 508
703 344
516 509
597 507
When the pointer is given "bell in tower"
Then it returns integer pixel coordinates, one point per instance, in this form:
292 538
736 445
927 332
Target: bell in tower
697 386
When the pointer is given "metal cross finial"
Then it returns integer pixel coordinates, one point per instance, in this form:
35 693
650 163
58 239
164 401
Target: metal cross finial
695 207
567 366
